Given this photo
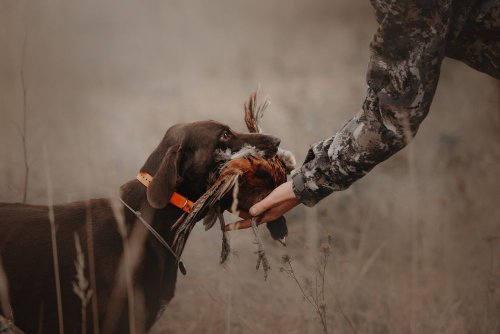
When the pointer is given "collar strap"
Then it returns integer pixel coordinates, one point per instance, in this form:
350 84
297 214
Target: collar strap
177 199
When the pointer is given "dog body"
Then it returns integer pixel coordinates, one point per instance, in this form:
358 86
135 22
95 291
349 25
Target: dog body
182 163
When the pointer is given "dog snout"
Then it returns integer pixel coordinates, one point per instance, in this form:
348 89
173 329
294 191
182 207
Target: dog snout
268 144
271 145
275 141
267 141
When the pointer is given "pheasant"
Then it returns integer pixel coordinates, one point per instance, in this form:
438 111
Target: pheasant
241 179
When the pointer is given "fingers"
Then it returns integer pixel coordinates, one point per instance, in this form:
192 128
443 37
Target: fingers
279 210
278 195
271 215
279 201
266 203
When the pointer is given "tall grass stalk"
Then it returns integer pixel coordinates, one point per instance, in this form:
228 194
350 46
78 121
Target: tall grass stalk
312 297
5 308
130 259
53 238
81 285
93 284
23 131
122 228
313 290
229 301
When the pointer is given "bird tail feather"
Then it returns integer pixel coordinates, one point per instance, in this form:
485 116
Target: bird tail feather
207 201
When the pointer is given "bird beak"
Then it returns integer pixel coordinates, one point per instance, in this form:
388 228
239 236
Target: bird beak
282 241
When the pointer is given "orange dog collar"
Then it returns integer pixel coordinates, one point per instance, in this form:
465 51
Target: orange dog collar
177 199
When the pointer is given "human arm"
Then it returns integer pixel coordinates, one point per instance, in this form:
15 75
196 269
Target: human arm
403 72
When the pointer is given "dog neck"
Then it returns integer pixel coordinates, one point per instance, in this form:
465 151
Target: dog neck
176 199
134 194
159 260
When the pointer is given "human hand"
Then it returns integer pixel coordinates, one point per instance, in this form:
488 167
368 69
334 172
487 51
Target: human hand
276 204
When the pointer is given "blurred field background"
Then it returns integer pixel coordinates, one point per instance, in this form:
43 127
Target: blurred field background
413 250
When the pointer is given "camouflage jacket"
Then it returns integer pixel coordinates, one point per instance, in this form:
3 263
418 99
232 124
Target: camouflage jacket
407 49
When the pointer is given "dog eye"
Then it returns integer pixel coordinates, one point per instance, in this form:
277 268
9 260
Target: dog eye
225 135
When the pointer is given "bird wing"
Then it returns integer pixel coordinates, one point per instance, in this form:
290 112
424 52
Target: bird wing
223 185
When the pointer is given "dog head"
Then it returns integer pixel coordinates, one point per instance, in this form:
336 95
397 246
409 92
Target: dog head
183 159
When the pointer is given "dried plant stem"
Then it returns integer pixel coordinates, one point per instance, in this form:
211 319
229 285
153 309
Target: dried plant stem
260 252
120 218
8 327
494 281
40 318
5 307
53 238
307 297
81 285
93 284
315 294
130 290
228 303
133 250
344 315
253 327
23 132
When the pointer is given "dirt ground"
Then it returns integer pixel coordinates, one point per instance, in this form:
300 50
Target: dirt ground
104 80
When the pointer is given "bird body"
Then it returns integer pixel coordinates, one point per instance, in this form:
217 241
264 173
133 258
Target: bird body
238 181
242 179
257 177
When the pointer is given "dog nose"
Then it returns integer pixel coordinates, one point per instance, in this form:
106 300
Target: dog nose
275 141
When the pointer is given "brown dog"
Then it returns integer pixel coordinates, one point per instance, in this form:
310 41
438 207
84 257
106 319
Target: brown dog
180 163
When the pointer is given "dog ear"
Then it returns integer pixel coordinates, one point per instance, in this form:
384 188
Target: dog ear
166 178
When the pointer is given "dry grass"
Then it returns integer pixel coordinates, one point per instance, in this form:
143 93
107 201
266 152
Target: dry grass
92 273
127 263
81 286
133 251
409 254
312 288
53 237
25 112
5 308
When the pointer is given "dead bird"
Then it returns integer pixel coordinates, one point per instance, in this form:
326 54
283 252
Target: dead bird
253 116
240 180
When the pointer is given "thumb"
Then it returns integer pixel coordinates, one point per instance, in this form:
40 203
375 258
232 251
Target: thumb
260 207
278 195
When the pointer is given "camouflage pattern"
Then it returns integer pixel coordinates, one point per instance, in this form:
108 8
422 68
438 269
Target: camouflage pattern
406 54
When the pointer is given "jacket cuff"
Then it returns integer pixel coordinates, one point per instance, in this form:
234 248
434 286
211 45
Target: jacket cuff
304 194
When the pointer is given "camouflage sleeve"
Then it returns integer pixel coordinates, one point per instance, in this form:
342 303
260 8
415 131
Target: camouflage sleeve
406 55
477 41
